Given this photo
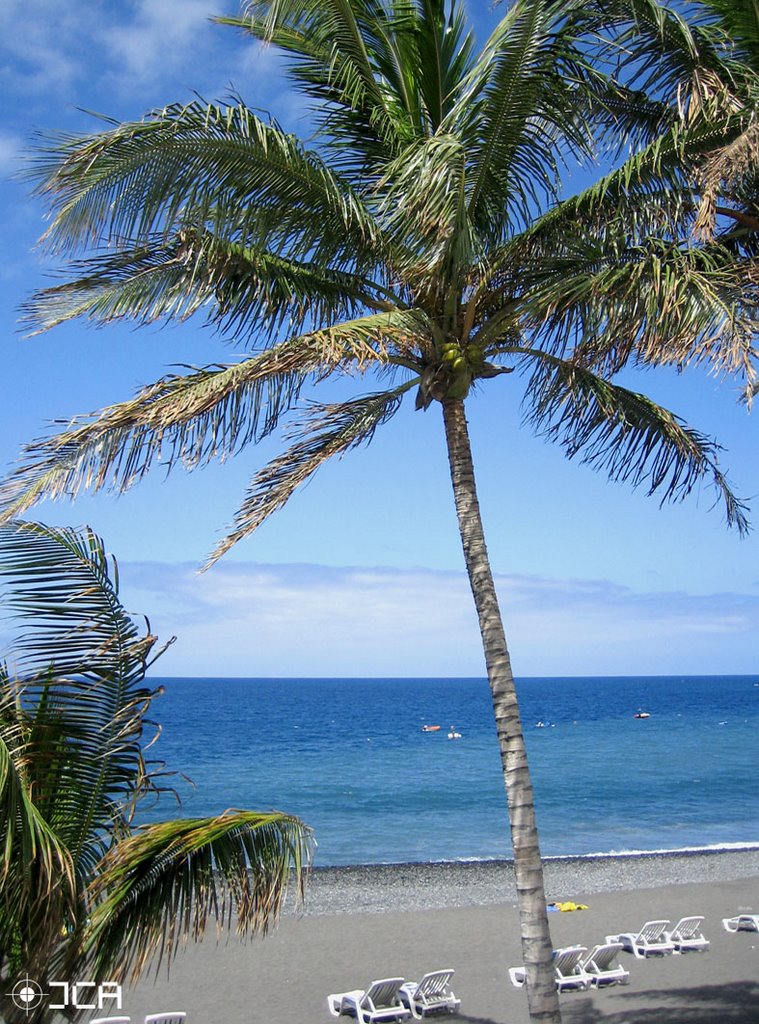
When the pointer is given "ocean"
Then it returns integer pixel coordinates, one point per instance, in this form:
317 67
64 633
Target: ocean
350 757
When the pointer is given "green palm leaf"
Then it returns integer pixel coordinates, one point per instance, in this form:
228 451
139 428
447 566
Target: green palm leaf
195 166
527 91
160 887
242 291
81 660
445 56
341 53
37 875
623 433
661 303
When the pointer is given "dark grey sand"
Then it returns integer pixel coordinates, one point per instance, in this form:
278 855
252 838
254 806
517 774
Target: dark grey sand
365 923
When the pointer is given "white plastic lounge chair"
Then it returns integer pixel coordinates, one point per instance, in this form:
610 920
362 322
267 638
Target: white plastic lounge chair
598 964
742 923
381 1001
649 941
687 936
569 971
431 994
174 1017
568 966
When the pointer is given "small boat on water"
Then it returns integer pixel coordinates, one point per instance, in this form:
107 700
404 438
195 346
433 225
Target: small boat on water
453 735
641 714
430 728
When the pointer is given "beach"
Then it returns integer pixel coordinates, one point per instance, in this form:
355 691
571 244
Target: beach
368 922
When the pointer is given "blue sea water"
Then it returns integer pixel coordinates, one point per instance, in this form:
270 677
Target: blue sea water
349 756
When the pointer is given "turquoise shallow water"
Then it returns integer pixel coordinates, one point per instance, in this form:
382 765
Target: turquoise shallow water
350 757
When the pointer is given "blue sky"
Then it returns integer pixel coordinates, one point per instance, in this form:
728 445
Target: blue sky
362 573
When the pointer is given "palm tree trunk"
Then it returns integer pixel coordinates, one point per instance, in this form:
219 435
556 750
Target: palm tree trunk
536 938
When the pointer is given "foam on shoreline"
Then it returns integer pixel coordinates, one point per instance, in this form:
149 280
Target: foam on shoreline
382 888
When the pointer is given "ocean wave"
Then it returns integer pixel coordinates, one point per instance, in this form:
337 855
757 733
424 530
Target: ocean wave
569 858
679 851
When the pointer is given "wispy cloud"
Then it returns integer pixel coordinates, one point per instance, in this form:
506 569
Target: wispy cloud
40 41
159 33
80 51
127 58
252 619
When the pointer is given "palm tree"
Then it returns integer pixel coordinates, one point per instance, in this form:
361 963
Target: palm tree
419 239
83 892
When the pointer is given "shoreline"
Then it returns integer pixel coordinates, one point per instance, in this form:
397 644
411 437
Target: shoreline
385 888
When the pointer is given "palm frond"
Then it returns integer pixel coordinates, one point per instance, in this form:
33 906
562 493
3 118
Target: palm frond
336 51
627 120
652 192
445 50
720 174
195 166
162 886
80 660
424 208
524 94
330 430
656 302
209 412
37 876
78 892
623 433
739 23
246 293
688 56
663 41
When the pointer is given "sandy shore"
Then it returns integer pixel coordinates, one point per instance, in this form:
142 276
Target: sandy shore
383 888
365 923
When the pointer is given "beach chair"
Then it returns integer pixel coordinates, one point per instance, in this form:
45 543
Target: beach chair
598 964
431 994
568 967
569 970
687 936
173 1017
649 941
741 923
381 1001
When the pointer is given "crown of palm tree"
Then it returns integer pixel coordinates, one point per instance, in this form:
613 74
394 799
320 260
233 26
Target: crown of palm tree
420 239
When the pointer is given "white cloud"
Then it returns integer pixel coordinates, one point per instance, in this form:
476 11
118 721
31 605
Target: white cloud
80 50
40 43
282 620
161 33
